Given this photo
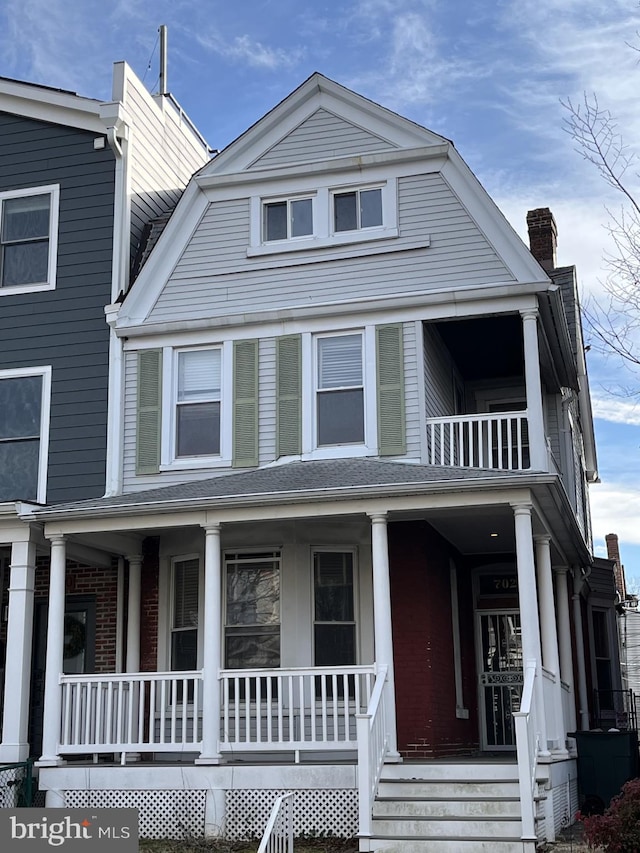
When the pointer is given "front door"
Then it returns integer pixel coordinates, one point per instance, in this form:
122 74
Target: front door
499 644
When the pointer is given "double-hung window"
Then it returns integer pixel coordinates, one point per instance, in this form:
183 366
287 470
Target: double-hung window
286 219
184 628
334 626
252 618
24 425
357 209
340 389
198 402
28 236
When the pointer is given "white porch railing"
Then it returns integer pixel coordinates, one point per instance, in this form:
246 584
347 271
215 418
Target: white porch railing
278 834
494 441
133 712
373 742
527 744
293 709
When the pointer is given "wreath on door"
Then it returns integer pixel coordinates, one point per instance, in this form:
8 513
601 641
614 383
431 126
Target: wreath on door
74 636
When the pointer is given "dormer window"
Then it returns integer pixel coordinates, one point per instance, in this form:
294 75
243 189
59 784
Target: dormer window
286 219
357 209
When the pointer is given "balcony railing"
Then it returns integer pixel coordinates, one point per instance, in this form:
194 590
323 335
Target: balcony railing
494 441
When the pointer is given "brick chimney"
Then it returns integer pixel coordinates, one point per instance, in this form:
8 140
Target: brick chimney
543 237
613 553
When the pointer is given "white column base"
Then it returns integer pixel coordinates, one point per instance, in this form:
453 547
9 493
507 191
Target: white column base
49 762
205 759
13 753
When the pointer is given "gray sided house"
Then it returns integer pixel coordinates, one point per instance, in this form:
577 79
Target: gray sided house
351 520
79 178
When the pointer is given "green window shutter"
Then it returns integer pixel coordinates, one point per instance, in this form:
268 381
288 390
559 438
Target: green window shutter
149 412
390 390
245 404
289 395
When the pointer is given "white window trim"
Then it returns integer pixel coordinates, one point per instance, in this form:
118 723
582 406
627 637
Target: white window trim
181 558
45 411
336 549
323 233
310 448
168 459
54 191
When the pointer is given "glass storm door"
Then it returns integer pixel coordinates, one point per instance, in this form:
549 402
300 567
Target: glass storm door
501 677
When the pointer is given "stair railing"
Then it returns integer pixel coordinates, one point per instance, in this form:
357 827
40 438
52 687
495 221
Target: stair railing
373 744
527 743
278 833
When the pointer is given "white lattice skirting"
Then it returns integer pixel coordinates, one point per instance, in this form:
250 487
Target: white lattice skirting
163 814
315 812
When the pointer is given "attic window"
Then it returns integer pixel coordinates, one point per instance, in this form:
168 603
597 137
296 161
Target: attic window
357 209
286 219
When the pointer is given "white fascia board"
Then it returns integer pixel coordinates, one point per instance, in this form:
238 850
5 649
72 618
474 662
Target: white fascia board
165 254
50 105
490 220
318 92
446 304
430 158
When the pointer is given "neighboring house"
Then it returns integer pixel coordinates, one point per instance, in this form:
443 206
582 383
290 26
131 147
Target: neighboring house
628 636
79 179
356 446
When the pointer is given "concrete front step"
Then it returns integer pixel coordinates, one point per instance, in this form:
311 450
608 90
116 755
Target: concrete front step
444 807
440 771
409 827
446 845
402 789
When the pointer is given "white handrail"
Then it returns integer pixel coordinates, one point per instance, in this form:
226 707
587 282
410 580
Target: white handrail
373 744
527 743
278 834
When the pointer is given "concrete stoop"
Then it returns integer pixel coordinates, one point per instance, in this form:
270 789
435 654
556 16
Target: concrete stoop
448 808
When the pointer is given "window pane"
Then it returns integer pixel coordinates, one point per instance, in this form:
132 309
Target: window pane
253 594
185 593
19 470
252 648
340 361
334 645
198 430
333 587
25 263
301 217
344 210
275 221
184 650
341 417
25 218
370 208
199 375
20 407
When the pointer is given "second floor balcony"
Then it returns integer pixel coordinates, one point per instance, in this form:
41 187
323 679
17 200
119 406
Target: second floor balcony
496 441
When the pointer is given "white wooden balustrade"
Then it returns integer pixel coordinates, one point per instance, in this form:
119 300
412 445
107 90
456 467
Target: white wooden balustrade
527 747
494 441
373 744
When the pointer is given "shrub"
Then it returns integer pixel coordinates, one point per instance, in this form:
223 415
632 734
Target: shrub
618 829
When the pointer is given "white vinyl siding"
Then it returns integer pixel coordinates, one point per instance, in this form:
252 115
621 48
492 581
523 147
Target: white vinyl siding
323 135
214 277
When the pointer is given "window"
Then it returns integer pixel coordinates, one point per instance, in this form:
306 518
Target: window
340 390
357 209
198 402
334 628
184 627
287 218
24 423
252 621
28 233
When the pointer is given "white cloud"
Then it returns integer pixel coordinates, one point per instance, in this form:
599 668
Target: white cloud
244 49
615 509
616 411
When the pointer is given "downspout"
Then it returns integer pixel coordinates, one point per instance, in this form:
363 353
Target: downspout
579 578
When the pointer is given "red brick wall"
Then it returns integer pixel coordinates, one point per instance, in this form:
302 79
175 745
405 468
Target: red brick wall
423 652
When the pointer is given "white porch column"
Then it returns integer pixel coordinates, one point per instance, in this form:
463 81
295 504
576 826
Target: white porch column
133 613
17 679
382 626
212 644
529 623
55 655
533 384
583 701
549 635
564 637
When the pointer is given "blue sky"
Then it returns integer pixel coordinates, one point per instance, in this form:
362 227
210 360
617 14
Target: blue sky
488 75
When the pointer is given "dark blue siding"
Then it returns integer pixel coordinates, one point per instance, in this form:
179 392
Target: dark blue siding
65 328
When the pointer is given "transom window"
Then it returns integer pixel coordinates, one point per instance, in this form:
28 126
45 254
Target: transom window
340 390
198 402
252 621
357 209
334 628
23 435
286 219
27 238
